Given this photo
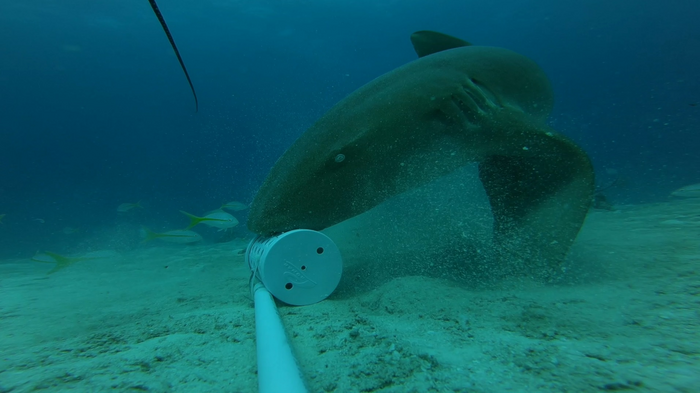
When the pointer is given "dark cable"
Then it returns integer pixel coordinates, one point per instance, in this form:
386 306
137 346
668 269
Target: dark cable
177 52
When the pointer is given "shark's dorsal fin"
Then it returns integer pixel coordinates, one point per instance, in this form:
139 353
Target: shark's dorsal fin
426 42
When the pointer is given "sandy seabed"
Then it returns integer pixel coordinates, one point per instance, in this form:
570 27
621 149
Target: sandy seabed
626 317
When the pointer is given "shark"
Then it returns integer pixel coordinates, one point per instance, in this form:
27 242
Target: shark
456 104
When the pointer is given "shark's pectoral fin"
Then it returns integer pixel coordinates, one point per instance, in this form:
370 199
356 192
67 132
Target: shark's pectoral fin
539 204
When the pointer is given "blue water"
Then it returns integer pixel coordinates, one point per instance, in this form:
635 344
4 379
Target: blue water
95 110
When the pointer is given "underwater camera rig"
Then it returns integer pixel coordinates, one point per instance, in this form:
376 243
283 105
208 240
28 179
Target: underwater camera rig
298 267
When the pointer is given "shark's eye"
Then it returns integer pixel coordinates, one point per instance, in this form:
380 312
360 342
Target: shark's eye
340 158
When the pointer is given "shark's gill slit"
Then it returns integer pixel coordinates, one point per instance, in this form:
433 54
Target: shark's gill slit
487 93
458 111
476 94
465 103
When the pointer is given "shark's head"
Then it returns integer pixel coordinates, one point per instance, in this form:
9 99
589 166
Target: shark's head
331 173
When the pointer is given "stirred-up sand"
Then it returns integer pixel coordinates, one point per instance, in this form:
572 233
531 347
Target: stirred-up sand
625 316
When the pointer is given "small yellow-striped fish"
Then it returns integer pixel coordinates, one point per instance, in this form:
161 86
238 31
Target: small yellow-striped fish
217 219
181 236
691 191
